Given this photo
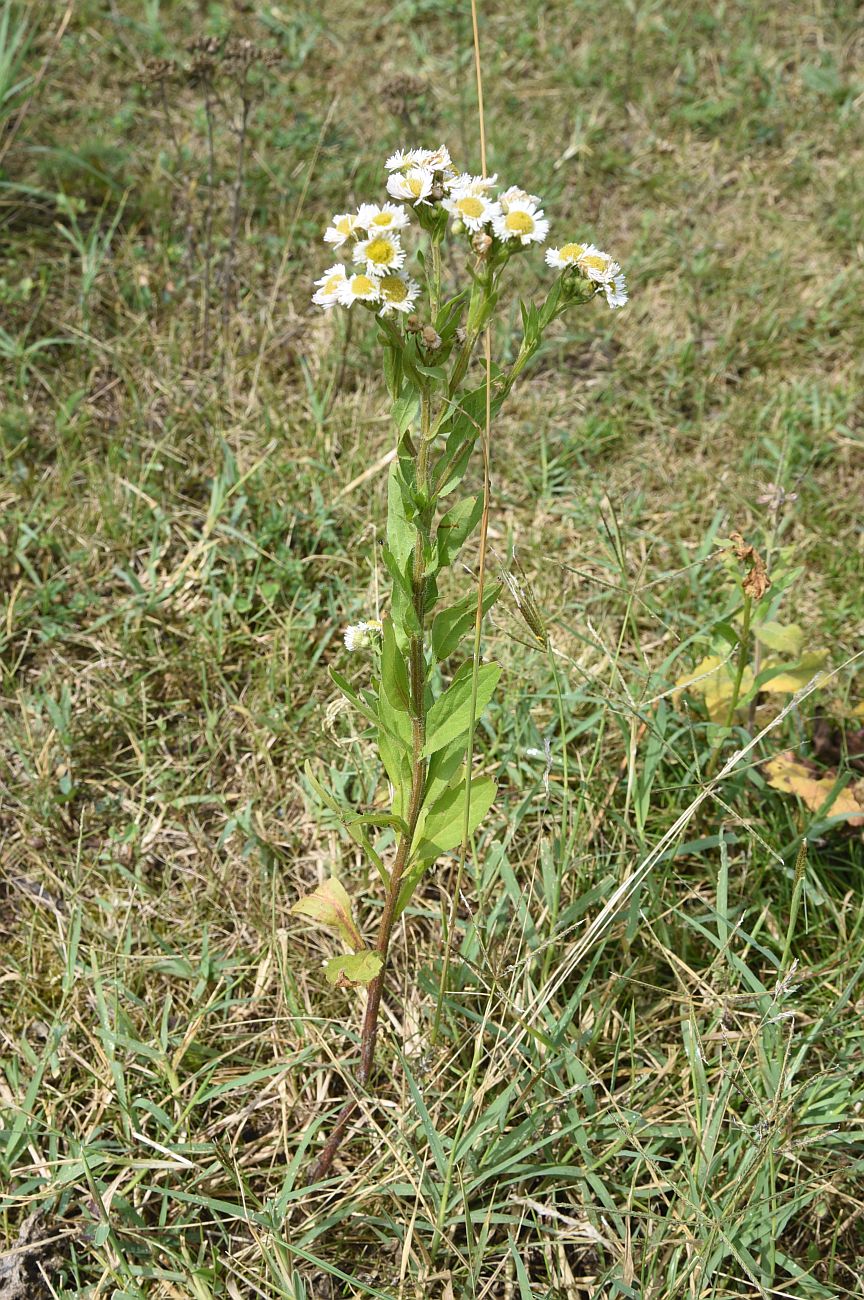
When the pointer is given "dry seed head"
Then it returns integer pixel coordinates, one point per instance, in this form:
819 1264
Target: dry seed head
526 603
431 338
481 243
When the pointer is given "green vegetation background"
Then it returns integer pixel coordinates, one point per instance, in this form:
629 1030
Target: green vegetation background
187 525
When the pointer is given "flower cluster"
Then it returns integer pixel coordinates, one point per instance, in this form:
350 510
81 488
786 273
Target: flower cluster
378 257
594 265
497 227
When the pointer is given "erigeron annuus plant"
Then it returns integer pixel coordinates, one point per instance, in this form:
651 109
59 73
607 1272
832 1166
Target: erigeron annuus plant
419 701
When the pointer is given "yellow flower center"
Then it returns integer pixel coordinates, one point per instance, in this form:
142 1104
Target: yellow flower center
394 288
470 206
382 219
570 252
345 225
521 223
415 185
595 263
361 284
332 283
380 251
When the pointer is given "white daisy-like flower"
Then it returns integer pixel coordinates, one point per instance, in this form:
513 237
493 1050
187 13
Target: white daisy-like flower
398 293
567 255
380 253
358 288
522 221
341 229
415 185
403 158
616 291
474 210
327 291
597 265
384 216
465 183
516 197
437 160
603 271
359 636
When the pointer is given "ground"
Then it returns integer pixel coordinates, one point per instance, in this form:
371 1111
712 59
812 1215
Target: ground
654 1093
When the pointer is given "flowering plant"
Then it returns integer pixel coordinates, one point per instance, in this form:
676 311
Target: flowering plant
424 728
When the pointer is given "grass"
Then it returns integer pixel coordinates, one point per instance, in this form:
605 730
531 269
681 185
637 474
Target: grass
654 1092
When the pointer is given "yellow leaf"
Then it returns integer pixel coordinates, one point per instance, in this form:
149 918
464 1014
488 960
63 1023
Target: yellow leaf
858 711
789 774
712 681
330 905
358 968
797 675
788 639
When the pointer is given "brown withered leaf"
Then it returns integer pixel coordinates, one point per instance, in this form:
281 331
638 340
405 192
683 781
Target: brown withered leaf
756 581
794 775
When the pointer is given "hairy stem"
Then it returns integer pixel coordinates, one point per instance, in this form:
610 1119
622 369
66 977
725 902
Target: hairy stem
743 650
417 683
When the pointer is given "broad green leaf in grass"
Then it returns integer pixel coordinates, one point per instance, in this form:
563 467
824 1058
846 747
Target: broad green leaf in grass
450 625
788 639
355 968
450 715
444 823
442 829
330 905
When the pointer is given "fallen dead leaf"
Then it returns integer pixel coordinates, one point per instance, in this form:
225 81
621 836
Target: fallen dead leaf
793 775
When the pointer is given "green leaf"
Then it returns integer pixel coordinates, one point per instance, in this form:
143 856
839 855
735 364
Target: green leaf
789 639
443 766
450 715
359 968
457 525
401 533
354 698
445 821
406 410
394 671
443 831
397 765
450 625
330 905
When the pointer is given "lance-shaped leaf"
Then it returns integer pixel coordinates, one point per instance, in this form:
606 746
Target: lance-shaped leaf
357 968
450 715
330 905
394 672
450 625
457 525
